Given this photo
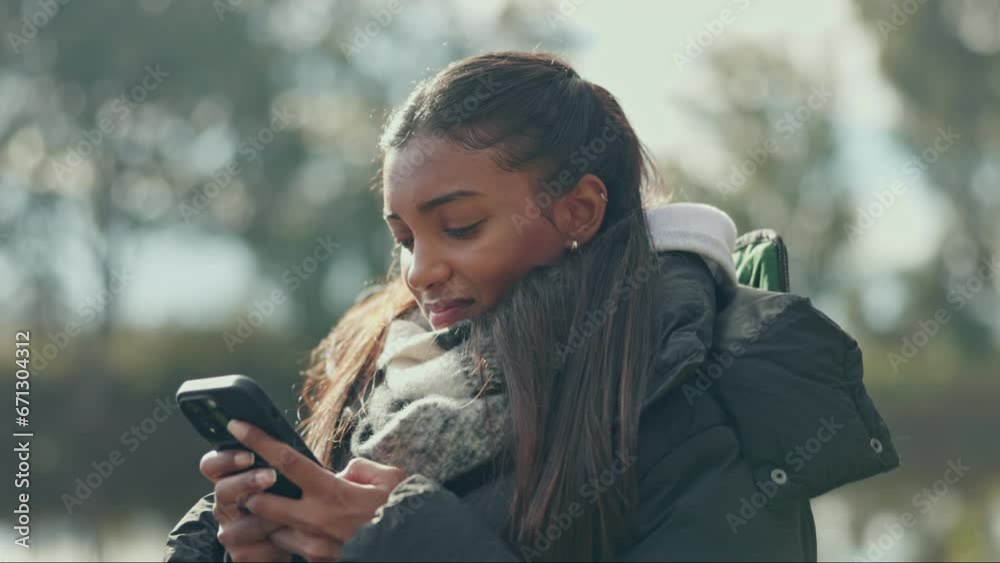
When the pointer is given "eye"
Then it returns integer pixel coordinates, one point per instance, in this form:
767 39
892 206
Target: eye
457 233
464 232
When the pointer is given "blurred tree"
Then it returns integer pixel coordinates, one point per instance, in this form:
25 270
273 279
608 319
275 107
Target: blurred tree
771 125
190 156
943 59
123 120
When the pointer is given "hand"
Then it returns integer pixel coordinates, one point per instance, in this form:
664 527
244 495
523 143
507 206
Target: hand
333 506
244 535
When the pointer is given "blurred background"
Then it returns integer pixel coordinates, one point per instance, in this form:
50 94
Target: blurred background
165 165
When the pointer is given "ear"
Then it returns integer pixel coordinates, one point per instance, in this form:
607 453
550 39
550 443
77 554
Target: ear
580 213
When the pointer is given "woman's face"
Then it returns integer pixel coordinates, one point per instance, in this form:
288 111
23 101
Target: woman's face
463 226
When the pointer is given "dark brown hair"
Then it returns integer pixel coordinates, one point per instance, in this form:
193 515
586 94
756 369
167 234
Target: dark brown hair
574 340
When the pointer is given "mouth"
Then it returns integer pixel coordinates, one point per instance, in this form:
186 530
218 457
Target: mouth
444 313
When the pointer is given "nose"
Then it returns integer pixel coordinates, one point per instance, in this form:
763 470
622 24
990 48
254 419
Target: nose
425 268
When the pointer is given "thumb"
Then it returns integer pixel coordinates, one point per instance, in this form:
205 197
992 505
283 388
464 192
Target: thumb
363 471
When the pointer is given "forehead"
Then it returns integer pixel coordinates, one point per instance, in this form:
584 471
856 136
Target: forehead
425 167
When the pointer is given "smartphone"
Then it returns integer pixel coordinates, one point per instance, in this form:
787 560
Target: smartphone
210 403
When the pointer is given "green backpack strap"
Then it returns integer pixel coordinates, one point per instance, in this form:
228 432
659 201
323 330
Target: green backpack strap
762 261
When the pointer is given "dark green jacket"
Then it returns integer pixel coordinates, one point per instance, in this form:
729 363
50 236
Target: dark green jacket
756 406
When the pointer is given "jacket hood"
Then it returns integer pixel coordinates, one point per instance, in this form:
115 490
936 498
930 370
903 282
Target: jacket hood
695 244
699 229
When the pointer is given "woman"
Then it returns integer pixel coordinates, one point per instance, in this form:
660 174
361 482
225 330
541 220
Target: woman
552 371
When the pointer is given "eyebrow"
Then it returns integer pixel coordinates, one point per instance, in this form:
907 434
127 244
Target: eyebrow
438 201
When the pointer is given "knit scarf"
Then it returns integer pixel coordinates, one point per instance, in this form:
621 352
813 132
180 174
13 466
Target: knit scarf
429 412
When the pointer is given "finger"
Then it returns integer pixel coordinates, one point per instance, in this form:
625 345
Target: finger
298 468
248 529
309 546
237 488
226 513
282 510
217 464
262 551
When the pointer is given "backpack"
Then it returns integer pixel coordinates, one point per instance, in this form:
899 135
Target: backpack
761 260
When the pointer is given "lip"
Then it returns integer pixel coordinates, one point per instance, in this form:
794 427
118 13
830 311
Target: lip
444 313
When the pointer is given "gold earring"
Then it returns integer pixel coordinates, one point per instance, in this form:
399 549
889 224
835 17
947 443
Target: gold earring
574 246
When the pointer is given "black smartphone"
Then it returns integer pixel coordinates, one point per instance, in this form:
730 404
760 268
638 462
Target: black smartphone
210 403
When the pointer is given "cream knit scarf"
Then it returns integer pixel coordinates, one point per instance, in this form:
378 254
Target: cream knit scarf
429 412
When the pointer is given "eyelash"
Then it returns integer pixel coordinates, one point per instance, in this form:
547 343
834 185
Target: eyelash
460 233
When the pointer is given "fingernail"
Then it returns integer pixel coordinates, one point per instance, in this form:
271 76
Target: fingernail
266 477
244 459
238 429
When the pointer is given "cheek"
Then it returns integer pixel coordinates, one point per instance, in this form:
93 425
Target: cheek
508 256
535 243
